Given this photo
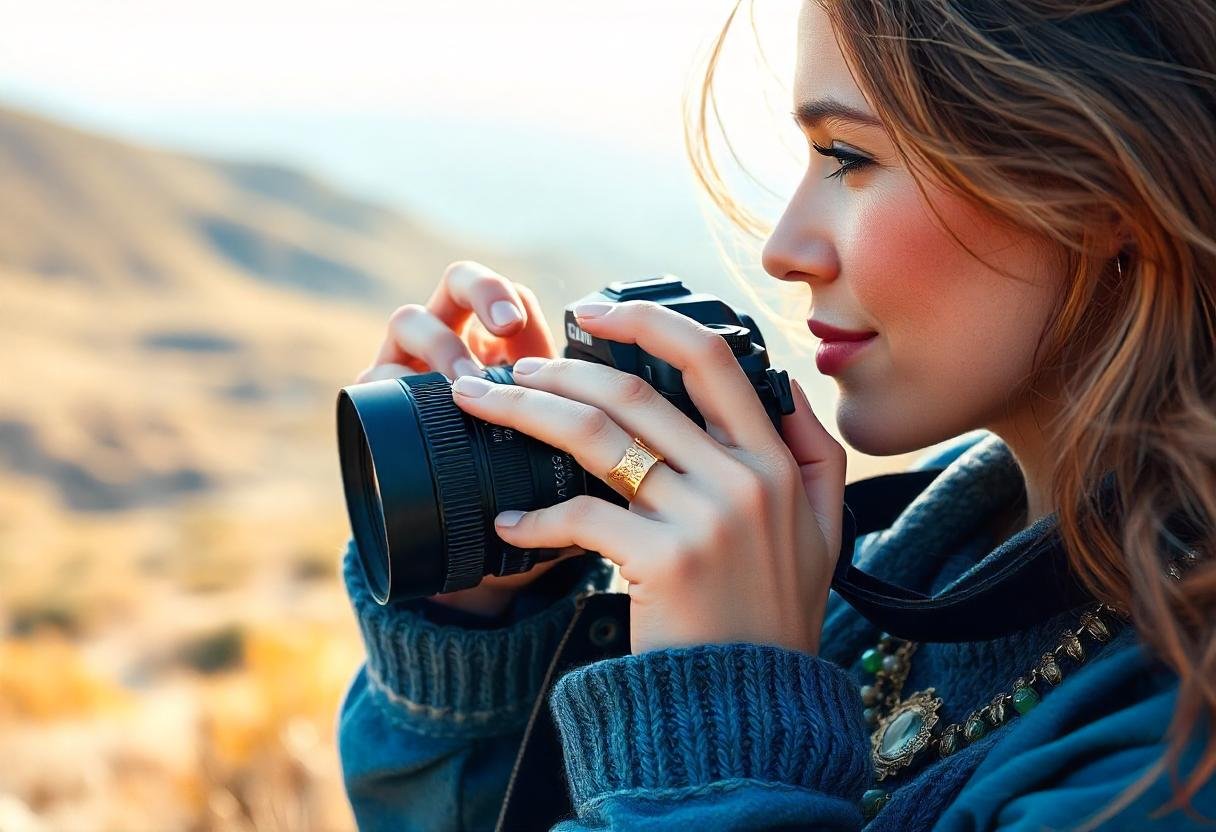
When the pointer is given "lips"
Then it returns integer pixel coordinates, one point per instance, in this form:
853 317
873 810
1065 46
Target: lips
839 346
833 356
827 332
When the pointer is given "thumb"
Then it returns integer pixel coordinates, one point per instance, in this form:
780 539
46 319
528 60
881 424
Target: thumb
821 463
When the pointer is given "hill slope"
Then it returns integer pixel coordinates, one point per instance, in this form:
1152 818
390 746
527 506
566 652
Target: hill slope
181 324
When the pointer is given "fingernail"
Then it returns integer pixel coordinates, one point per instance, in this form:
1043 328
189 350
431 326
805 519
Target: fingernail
471 386
508 518
591 310
529 364
465 367
503 312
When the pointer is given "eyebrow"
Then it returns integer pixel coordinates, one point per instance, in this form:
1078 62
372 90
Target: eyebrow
810 113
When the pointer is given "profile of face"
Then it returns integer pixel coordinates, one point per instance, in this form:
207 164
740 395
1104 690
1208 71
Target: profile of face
956 338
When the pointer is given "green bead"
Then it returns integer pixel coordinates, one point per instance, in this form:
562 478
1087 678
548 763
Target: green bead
974 729
871 661
1024 699
872 801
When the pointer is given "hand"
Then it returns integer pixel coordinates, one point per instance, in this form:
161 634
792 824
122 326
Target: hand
734 538
474 317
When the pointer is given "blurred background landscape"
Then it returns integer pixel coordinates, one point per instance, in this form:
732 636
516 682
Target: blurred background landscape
206 217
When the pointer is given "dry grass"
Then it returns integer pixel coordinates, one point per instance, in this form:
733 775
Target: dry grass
174 640
166 704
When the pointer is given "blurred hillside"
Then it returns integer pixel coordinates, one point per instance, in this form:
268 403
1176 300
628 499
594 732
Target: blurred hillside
174 641
174 329
185 308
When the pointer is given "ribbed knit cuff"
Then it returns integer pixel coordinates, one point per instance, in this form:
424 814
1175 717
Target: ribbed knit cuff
447 680
686 717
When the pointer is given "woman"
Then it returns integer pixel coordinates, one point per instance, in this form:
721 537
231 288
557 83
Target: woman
1012 204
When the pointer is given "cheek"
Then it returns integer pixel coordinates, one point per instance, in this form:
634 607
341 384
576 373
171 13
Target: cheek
957 336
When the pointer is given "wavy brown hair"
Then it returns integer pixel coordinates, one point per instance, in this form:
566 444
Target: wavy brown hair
1070 120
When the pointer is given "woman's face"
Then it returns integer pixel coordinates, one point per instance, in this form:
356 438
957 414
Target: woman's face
955 338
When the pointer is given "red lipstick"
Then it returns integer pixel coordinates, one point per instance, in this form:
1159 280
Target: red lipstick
839 345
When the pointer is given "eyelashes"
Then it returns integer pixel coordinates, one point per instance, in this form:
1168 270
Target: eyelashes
849 162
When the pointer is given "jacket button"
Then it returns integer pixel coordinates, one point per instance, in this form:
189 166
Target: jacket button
604 631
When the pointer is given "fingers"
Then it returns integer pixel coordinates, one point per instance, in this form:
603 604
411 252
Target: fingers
712 375
821 462
632 403
468 288
587 433
535 337
433 336
415 335
586 522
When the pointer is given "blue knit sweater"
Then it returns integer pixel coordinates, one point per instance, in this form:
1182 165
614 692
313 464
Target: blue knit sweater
751 737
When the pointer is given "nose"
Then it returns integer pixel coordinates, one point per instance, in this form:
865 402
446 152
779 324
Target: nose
800 247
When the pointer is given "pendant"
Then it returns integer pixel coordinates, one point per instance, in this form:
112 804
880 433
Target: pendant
904 733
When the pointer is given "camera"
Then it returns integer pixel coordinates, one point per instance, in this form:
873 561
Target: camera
424 480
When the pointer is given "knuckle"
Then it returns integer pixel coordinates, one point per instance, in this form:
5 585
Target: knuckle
747 487
403 315
591 423
456 267
633 390
713 349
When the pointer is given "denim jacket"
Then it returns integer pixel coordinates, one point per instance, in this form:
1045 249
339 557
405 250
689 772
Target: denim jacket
754 737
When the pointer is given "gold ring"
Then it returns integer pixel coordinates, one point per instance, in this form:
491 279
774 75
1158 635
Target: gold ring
628 474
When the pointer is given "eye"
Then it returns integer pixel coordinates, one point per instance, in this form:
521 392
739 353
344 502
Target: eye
849 161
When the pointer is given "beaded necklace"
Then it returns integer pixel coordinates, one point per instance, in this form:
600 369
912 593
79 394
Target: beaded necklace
905 728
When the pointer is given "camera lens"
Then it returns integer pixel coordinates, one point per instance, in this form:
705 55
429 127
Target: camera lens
424 481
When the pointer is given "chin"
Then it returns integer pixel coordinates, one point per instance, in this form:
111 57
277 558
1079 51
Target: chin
877 432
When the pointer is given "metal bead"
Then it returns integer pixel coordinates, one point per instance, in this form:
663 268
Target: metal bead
1072 646
891 663
1050 670
871 715
1095 626
948 743
869 695
997 710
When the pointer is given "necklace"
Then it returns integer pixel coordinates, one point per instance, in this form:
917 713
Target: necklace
904 728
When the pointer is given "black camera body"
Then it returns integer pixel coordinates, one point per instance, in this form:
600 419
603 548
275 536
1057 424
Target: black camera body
738 329
424 480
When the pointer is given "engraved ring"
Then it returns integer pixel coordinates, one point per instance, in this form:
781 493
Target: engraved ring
628 474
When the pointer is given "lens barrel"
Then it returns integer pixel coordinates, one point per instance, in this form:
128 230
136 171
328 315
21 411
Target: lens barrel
424 481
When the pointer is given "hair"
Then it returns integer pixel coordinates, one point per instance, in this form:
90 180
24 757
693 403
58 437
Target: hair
1082 121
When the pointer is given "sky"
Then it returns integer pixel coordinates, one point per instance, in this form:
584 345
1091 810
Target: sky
528 124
